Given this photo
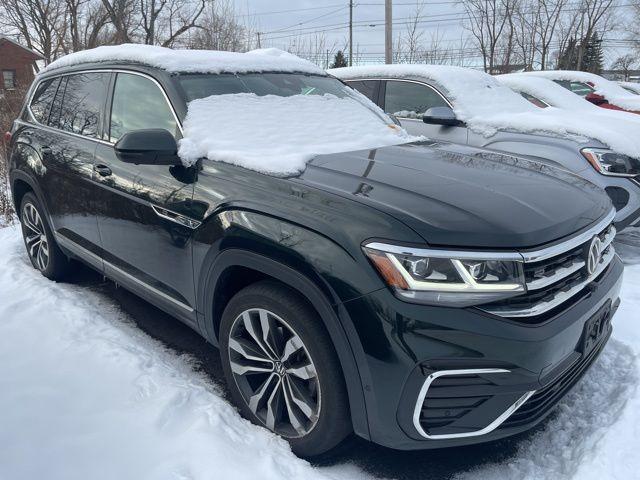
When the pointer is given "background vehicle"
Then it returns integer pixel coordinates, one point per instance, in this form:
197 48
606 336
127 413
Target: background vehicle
387 291
470 107
633 87
594 88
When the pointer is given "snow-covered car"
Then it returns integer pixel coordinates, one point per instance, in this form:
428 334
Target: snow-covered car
355 278
594 88
633 87
471 107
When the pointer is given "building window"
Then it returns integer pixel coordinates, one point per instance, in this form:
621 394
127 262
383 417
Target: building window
9 79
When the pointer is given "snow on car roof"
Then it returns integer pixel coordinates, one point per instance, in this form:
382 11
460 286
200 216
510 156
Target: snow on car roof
488 106
546 90
191 61
633 86
464 87
614 93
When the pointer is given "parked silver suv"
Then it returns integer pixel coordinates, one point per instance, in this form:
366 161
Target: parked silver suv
423 98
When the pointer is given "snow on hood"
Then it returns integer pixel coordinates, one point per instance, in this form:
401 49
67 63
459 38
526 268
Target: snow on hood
279 135
614 93
488 106
191 61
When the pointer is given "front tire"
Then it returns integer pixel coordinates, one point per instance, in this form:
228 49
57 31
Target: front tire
43 251
282 369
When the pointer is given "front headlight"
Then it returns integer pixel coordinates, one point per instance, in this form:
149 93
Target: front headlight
449 278
611 163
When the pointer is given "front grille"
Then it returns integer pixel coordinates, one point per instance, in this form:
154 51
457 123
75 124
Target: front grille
555 281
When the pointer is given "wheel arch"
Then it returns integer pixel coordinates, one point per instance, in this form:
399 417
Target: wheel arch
234 269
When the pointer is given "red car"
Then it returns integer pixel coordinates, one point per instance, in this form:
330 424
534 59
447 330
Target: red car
595 89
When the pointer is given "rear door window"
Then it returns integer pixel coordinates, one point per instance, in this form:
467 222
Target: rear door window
43 99
138 103
410 100
83 102
366 87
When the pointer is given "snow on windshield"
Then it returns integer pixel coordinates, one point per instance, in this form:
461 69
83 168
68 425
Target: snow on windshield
487 106
614 93
200 61
279 135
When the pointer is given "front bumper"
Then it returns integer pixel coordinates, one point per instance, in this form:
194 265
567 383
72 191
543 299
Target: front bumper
502 364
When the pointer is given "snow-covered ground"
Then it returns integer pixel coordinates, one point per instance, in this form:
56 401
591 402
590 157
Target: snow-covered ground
85 394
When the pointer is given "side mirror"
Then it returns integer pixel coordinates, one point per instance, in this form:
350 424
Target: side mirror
148 147
595 98
441 116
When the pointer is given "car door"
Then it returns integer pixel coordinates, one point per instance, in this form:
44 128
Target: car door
71 130
144 210
408 100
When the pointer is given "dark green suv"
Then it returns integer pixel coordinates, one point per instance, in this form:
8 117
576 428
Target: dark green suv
420 295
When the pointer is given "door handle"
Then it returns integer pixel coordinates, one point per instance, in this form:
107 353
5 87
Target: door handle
103 170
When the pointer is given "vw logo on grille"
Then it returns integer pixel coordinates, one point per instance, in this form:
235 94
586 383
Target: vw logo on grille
594 255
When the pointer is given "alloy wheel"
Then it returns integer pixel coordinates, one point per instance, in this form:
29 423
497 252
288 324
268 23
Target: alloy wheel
274 373
35 237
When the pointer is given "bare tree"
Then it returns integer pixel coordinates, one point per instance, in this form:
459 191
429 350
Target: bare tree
409 43
625 64
218 29
548 13
487 21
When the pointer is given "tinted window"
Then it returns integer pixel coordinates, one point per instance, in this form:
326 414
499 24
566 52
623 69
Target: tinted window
410 100
280 84
536 101
580 88
139 104
366 87
43 98
82 104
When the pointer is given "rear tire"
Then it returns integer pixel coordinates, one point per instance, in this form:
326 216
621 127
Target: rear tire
282 369
42 249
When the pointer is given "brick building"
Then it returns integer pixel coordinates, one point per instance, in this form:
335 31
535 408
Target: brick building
16 74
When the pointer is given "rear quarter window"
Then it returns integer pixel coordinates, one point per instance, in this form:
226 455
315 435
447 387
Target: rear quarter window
43 99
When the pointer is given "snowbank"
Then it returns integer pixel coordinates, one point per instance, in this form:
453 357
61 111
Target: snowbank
614 93
191 61
487 106
84 394
279 135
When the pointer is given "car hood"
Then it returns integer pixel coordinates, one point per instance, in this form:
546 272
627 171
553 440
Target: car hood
460 196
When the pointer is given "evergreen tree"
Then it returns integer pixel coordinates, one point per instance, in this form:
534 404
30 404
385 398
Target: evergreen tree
593 55
339 60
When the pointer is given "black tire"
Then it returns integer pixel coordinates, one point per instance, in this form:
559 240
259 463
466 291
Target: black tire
332 422
55 265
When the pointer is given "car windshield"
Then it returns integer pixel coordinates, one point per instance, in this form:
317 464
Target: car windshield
279 84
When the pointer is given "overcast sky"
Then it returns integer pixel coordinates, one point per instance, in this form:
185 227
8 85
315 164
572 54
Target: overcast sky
283 23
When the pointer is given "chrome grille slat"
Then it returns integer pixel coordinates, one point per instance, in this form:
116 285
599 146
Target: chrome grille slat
559 298
556 274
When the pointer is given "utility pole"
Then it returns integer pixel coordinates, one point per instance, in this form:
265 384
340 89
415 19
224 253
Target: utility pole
327 58
259 44
350 32
388 34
